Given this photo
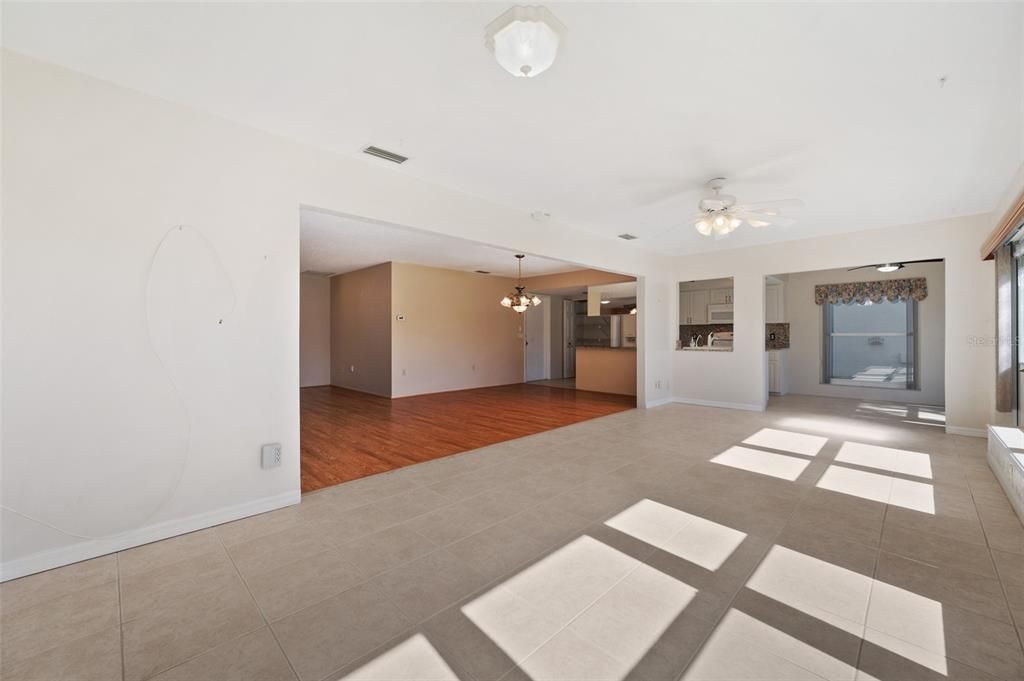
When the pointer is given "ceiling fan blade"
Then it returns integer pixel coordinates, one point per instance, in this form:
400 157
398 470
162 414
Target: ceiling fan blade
772 205
895 262
776 220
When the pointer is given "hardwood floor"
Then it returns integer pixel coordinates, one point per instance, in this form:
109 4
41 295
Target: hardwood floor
348 435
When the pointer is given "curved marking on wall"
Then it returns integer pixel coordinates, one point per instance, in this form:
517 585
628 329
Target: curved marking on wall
187 301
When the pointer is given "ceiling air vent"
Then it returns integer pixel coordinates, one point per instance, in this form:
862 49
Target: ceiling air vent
385 154
628 237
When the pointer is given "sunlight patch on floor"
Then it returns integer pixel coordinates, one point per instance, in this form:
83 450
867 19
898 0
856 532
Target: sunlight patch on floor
688 536
412 660
744 648
885 489
840 427
903 622
765 463
902 461
585 611
787 441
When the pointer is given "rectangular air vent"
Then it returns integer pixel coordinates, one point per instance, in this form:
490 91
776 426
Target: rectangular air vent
314 273
482 272
385 154
628 237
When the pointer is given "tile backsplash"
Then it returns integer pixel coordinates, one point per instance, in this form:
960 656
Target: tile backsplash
781 331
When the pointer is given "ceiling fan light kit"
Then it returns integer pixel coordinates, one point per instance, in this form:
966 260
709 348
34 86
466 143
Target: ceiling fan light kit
525 40
718 215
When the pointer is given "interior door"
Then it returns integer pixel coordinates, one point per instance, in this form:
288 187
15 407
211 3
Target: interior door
536 319
569 338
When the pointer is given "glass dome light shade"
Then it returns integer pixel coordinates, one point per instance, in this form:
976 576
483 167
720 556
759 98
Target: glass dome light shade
703 226
535 301
525 40
506 301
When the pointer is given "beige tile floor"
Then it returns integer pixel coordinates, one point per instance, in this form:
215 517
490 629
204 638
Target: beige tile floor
823 538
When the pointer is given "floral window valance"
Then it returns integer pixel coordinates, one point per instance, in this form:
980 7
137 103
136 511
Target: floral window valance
862 291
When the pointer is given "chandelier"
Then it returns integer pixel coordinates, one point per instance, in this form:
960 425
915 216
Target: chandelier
518 300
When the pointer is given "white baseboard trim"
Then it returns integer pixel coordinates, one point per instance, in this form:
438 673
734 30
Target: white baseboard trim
721 405
657 403
969 432
92 548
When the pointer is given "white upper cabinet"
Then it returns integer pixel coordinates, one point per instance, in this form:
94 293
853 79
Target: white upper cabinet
774 304
693 307
721 296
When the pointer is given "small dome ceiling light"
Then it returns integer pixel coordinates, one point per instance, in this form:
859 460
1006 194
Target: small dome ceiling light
890 267
525 40
518 300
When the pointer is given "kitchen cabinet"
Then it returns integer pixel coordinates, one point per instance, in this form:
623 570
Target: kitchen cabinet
720 296
774 304
693 307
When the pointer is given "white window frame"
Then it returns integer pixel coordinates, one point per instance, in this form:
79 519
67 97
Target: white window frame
828 335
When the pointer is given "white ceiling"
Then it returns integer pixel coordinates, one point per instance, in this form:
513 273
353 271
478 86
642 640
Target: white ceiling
837 104
333 244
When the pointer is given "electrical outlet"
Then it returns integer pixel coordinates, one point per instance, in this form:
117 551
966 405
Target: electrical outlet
270 456
657 385
351 368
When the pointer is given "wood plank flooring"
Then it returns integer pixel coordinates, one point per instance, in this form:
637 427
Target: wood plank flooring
348 435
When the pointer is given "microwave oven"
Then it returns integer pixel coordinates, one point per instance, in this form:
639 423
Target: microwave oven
719 314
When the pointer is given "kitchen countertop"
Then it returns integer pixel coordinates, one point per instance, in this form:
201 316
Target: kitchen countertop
704 348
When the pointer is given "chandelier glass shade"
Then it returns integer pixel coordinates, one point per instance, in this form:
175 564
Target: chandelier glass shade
519 300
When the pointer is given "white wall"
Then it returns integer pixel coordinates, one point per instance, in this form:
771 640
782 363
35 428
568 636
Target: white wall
140 380
738 378
314 330
804 357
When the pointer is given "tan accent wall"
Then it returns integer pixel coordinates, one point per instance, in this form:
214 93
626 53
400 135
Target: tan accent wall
580 278
454 334
361 330
314 330
606 370
804 358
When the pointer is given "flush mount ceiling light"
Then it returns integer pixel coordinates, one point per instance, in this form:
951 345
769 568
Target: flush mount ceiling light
518 300
890 267
525 40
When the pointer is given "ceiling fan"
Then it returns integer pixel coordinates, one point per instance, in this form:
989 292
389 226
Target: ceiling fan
718 214
893 266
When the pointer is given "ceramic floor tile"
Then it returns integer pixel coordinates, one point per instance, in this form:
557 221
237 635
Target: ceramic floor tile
252 657
380 551
283 590
272 551
32 630
162 553
937 550
966 590
207 573
175 632
96 657
327 636
52 584
428 585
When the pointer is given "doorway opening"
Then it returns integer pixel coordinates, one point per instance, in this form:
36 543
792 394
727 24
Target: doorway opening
408 355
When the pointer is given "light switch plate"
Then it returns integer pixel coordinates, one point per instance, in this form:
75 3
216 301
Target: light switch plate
270 456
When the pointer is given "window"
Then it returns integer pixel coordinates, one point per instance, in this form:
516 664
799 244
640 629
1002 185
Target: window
870 344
